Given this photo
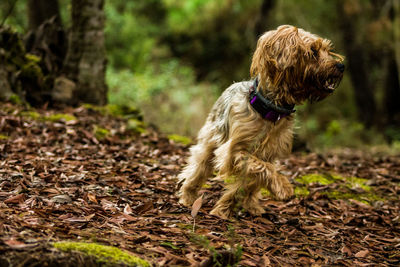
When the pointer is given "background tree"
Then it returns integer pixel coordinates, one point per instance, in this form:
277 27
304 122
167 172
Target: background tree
357 59
85 63
41 10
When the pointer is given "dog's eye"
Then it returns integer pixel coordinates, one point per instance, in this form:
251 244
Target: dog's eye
314 51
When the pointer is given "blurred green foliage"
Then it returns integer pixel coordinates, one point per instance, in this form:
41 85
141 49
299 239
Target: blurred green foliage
172 59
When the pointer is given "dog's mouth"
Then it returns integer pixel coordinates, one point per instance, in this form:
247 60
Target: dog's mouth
331 83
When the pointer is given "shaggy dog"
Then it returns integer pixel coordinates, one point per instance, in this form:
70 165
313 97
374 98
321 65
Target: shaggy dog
250 125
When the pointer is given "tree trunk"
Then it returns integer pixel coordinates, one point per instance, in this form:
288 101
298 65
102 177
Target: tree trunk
356 54
262 24
392 84
392 94
85 62
42 10
396 34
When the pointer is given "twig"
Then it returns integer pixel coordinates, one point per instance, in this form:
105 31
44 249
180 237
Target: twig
9 13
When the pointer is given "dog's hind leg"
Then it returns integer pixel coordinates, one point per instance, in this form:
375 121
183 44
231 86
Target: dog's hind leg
198 169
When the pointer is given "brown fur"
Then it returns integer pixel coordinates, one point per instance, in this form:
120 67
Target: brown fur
292 66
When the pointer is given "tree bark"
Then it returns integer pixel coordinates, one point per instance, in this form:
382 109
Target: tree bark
42 10
392 83
262 24
392 94
85 63
356 54
396 34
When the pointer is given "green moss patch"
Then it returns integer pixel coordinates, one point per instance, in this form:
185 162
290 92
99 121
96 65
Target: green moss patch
31 114
116 110
53 117
347 187
136 126
180 139
322 179
301 191
60 117
103 254
101 133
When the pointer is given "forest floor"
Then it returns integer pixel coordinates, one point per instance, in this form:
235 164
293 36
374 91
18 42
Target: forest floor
80 174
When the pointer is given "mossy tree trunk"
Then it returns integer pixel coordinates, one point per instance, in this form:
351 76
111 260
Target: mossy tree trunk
85 62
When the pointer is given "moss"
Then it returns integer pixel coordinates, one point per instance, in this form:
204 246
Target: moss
101 133
301 191
60 117
15 99
206 186
32 58
230 179
184 226
180 139
31 114
366 198
355 182
103 254
317 178
116 110
32 71
136 126
265 192
124 111
346 186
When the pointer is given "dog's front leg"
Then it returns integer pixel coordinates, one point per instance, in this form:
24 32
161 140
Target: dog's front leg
251 174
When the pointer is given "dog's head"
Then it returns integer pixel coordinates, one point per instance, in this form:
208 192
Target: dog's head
296 65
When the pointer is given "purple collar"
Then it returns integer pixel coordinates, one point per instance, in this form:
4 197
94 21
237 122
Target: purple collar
265 107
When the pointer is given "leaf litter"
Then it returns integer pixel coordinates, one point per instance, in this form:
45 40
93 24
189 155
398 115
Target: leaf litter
61 182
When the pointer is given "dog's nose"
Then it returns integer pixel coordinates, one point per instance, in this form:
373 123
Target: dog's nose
340 67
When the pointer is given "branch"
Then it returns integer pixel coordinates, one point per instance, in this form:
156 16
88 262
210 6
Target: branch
9 13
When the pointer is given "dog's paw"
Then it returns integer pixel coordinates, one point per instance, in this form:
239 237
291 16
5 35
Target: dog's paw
281 188
222 212
284 193
187 199
255 209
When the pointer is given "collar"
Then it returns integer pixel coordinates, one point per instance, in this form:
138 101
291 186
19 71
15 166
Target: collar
267 109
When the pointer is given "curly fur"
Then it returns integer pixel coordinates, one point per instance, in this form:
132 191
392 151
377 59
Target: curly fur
292 66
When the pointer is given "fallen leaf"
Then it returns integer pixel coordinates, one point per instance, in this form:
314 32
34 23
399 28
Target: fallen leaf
128 209
92 197
61 199
15 199
15 244
196 206
362 253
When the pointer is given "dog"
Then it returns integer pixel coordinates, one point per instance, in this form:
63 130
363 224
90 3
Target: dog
251 124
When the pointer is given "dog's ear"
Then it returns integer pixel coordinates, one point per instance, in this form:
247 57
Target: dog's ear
277 53
263 65
313 51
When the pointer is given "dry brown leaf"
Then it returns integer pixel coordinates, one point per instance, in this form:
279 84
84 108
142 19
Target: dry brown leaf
128 210
92 197
362 253
15 199
15 244
197 205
